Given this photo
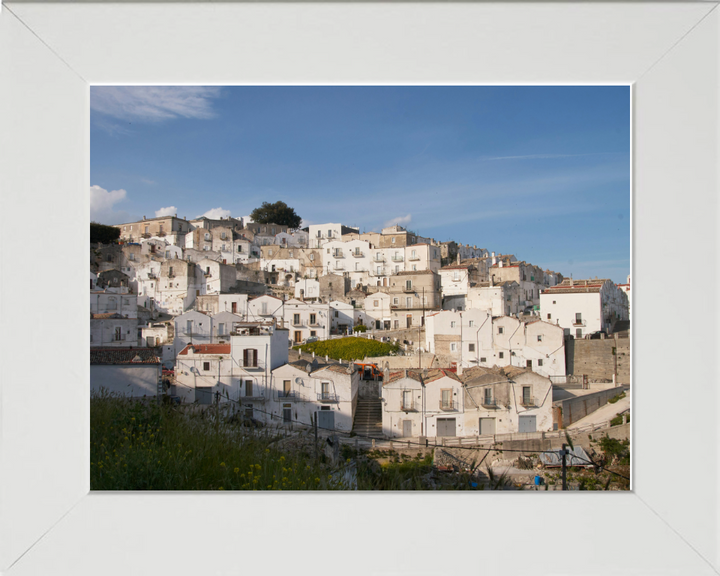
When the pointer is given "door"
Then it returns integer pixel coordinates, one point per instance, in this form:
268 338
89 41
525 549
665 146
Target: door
487 426
407 428
446 426
287 414
408 321
326 419
298 336
527 424
234 307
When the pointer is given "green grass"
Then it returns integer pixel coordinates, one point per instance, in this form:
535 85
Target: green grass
350 348
616 398
135 446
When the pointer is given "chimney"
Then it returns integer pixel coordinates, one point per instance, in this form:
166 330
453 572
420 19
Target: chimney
459 369
500 263
143 217
458 257
492 280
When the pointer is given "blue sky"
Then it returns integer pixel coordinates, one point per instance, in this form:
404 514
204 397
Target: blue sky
539 172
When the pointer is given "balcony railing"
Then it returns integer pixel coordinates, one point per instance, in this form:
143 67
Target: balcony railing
528 402
327 397
414 258
397 258
379 258
291 396
408 289
376 272
450 406
357 254
408 408
338 254
254 397
489 402
579 323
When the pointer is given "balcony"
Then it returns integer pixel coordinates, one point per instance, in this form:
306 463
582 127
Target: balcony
327 397
376 272
339 266
338 254
151 276
379 258
357 254
397 258
449 406
146 235
528 402
291 396
298 323
489 403
414 257
254 397
408 289
207 274
408 408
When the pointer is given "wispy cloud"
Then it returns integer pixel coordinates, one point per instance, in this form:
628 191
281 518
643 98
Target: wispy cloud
153 103
546 156
401 220
216 214
102 205
147 181
167 211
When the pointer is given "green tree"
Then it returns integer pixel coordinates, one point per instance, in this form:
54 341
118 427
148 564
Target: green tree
99 233
276 213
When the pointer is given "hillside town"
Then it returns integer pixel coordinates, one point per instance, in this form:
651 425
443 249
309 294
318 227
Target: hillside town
214 311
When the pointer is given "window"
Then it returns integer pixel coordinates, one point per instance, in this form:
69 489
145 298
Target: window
396 324
206 366
239 247
124 228
447 401
554 302
488 396
269 252
336 313
471 323
408 284
528 363
408 302
118 333
206 248
263 308
287 414
376 303
397 269
329 233
453 347
549 316
483 359
132 256
414 267
407 399
413 255
222 235
325 390
526 397
452 324
312 257
539 337
501 330
471 347
396 300
207 236
578 333
392 241
221 327
286 388
501 354
290 253
540 362
379 270
296 319
223 248
313 319
250 358
456 275
248 387
313 333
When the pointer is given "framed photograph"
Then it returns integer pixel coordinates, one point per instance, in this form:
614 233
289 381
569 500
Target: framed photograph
50 56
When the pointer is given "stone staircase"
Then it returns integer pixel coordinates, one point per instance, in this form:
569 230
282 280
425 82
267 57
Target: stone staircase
368 418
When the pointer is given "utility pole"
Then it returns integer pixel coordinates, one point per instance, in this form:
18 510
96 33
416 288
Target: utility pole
315 426
564 467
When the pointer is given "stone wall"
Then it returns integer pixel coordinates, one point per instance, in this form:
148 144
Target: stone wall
599 359
573 409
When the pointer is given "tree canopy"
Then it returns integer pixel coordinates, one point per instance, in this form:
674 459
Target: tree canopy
276 213
100 233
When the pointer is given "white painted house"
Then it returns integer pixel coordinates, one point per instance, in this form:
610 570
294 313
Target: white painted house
302 391
425 403
307 320
582 307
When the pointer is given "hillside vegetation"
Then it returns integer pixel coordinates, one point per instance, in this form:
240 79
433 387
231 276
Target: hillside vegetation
350 348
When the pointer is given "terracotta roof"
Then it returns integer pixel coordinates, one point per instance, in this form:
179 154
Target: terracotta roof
111 356
207 349
412 272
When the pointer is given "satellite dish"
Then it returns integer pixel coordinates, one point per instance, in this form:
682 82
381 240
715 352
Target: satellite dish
299 381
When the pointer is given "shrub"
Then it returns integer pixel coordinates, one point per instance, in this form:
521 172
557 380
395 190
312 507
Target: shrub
360 328
350 348
616 398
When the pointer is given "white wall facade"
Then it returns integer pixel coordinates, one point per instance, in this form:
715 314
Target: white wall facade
130 380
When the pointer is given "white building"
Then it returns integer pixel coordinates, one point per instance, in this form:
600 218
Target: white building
192 327
505 401
582 307
378 310
307 320
342 316
307 289
302 391
475 338
425 403
129 372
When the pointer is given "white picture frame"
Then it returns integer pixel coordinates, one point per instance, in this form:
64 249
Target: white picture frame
50 53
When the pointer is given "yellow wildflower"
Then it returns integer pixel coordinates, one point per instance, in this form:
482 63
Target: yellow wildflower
236 470
222 464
